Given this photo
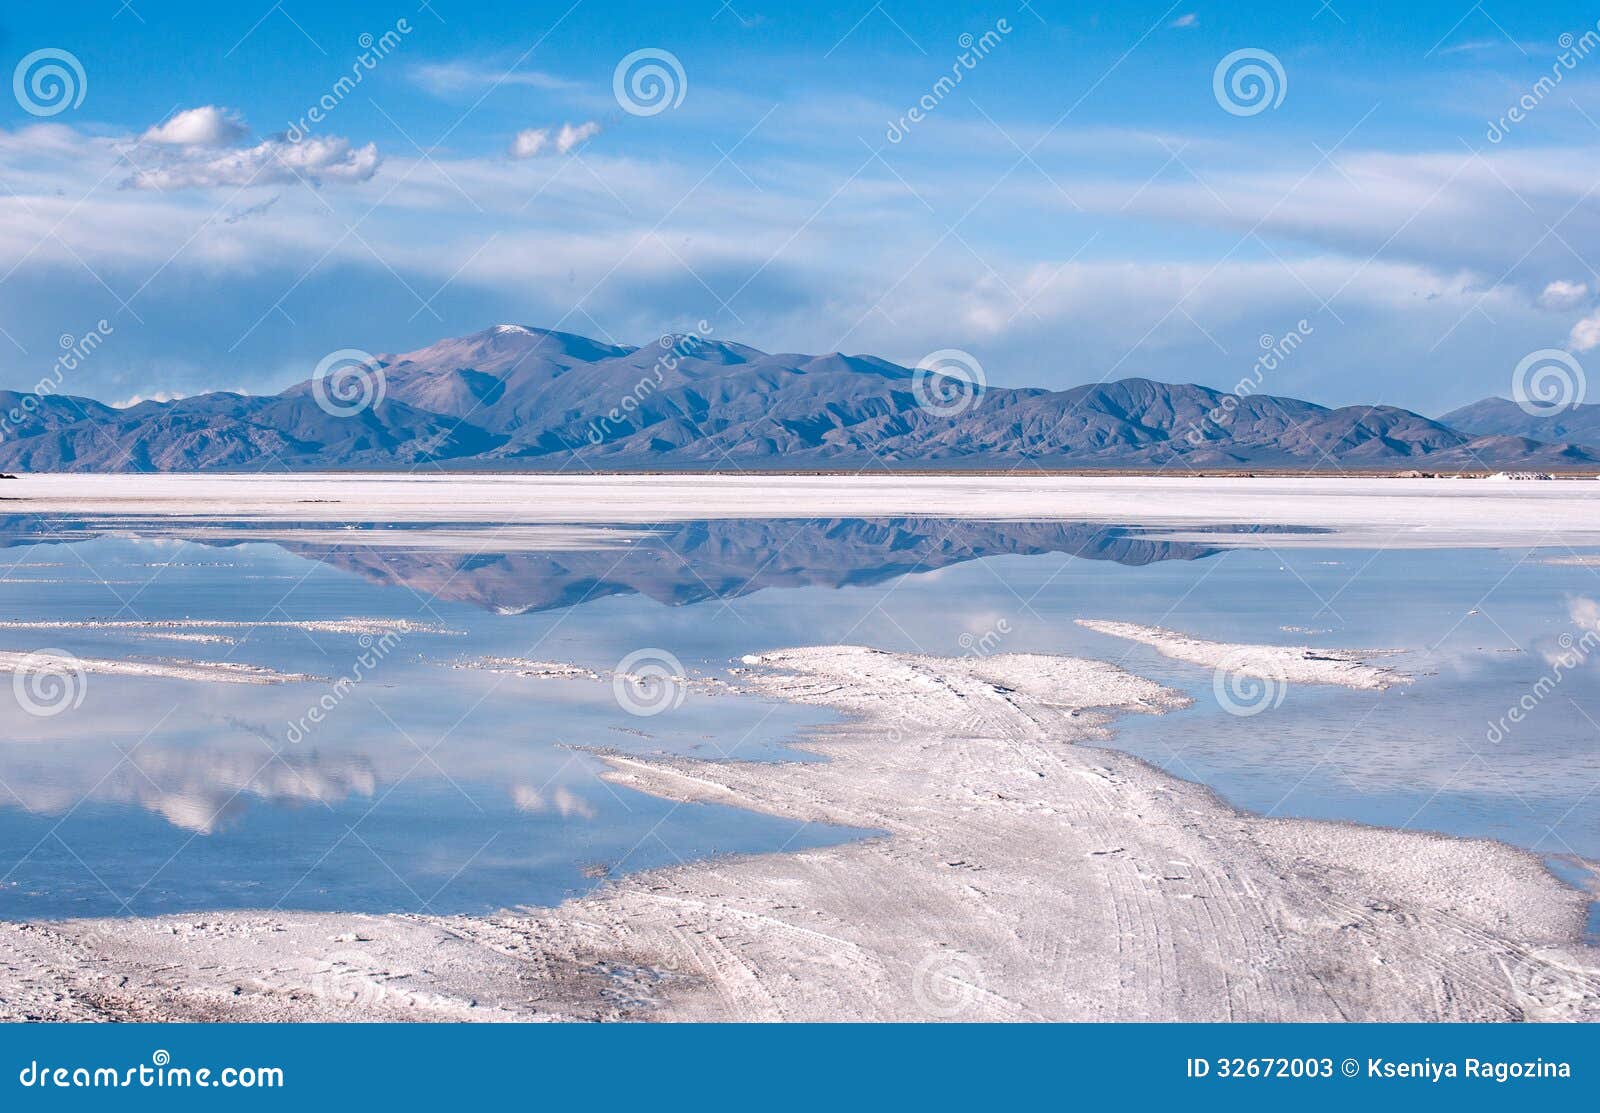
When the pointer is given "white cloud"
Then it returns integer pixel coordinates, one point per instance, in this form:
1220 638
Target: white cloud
1187 19
206 126
531 142
569 137
271 161
1562 294
1031 316
1585 335
155 396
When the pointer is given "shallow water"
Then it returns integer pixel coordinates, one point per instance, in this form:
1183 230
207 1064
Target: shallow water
426 787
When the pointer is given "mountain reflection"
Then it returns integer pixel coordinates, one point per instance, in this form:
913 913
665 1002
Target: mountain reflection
675 563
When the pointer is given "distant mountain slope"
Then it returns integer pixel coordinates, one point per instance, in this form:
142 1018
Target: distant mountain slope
1578 424
518 398
494 378
241 432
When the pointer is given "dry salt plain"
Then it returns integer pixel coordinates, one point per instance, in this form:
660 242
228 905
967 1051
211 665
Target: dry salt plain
799 748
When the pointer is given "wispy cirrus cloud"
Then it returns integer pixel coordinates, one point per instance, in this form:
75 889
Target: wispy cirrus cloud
612 252
447 78
258 209
1529 215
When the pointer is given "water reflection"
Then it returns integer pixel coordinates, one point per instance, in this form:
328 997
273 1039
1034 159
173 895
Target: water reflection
447 789
674 563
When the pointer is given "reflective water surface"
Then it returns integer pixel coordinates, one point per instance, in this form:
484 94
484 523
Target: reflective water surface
423 785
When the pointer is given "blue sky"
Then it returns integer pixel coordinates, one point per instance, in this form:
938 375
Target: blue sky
1080 207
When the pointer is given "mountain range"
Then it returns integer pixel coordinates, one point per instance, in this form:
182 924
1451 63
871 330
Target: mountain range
516 398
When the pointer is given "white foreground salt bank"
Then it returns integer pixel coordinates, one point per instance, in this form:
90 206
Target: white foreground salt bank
1018 877
56 663
1296 664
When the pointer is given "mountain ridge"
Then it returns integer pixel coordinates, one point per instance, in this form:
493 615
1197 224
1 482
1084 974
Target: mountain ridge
515 397
1574 422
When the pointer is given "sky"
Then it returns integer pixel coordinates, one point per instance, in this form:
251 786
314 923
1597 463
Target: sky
1094 199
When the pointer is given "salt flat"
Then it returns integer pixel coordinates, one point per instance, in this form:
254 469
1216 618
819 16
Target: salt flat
1299 664
45 663
1018 877
1367 513
1019 874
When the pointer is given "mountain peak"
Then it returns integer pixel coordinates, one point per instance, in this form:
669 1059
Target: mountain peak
1573 421
504 347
